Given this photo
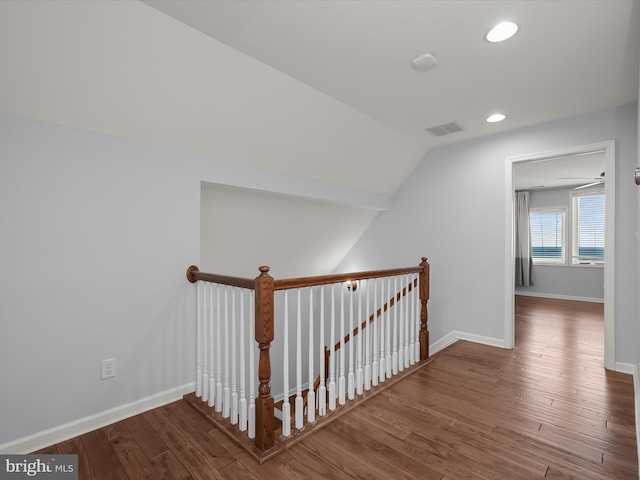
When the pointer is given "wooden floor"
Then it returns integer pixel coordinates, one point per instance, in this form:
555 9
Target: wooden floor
546 409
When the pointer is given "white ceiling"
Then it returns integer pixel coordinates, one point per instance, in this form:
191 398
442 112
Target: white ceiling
322 89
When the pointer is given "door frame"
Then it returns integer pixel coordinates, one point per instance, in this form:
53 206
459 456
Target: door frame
609 267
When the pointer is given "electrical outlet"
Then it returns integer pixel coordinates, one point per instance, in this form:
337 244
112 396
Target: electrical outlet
108 368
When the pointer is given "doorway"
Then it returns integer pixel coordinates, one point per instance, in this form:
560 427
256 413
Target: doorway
608 148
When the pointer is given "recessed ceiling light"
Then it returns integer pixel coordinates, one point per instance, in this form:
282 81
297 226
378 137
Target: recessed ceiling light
502 32
496 117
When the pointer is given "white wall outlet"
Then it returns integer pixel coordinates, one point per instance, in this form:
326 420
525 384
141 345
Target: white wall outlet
108 368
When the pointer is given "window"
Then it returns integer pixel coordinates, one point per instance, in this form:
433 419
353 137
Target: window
547 235
587 211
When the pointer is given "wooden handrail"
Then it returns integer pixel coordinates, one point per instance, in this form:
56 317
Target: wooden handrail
302 282
194 274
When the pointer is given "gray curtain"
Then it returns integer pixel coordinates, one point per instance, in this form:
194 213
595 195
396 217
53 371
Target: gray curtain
523 240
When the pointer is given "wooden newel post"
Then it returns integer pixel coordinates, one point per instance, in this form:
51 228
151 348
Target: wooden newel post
424 316
264 336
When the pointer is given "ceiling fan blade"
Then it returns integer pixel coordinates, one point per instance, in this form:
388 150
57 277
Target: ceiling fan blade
578 178
589 184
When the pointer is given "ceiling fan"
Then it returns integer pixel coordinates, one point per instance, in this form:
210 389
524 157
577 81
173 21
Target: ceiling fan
594 181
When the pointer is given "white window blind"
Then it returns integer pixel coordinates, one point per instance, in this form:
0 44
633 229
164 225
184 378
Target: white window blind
588 229
547 235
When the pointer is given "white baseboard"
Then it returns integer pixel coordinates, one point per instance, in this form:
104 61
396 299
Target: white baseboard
627 368
559 297
454 336
58 434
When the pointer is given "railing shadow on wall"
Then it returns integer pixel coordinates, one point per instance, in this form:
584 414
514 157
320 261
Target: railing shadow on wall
340 350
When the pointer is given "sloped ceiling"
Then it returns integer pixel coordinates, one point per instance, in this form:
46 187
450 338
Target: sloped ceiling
321 89
569 57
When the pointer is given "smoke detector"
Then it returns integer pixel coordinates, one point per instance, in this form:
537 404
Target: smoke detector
424 62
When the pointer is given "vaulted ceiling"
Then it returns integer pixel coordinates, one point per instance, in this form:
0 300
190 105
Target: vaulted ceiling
322 89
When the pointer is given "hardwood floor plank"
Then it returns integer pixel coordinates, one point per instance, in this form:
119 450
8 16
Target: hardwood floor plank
131 456
308 464
339 464
236 471
192 456
188 420
74 446
104 460
380 455
508 451
151 444
168 467
439 448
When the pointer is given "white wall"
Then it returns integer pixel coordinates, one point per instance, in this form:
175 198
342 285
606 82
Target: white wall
454 202
96 236
563 281
97 233
242 229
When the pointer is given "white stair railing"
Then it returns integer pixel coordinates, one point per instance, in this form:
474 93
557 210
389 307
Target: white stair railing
352 344
382 323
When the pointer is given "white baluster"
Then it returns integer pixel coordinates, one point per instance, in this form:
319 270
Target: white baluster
418 305
205 345
311 394
212 378
376 326
351 378
322 390
367 336
253 379
388 332
243 393
234 359
226 391
383 319
299 400
341 379
416 319
407 320
198 339
412 330
394 356
359 353
219 346
286 408
401 325
332 351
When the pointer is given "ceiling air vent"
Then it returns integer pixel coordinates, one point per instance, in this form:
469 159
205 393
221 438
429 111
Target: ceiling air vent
445 129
